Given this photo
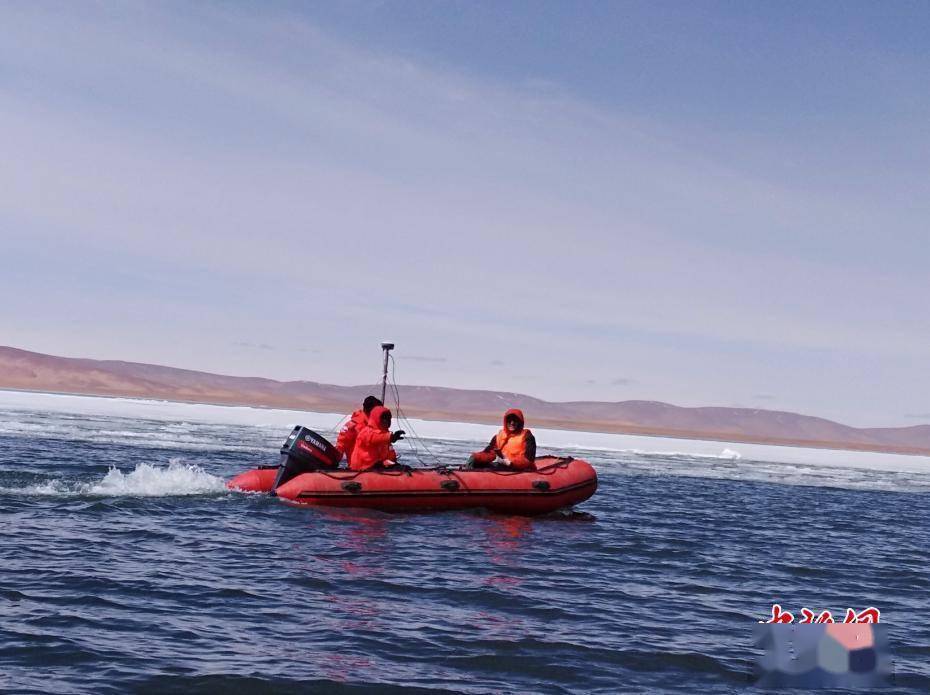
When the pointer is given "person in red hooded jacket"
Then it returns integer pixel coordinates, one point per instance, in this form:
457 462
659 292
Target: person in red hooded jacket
358 421
515 444
373 444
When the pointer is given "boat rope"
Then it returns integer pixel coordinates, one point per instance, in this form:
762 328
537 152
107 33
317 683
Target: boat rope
402 418
348 474
418 443
338 426
344 474
335 428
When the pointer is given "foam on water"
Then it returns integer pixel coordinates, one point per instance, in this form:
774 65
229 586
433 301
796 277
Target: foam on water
49 488
145 480
157 481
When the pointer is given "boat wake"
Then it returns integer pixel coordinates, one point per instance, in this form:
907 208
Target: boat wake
145 480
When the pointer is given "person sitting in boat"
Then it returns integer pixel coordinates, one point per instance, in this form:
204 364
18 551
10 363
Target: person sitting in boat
373 444
514 444
358 421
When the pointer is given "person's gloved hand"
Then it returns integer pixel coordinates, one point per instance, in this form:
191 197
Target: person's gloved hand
470 463
397 436
498 453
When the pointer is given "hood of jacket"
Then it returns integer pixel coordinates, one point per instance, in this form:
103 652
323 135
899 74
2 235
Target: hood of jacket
374 420
519 414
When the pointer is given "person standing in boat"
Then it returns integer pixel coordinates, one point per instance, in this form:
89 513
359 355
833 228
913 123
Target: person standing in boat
358 421
373 444
515 444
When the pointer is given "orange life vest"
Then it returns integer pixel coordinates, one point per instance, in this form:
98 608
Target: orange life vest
512 444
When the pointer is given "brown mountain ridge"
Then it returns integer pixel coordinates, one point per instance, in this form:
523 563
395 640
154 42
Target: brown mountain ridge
31 371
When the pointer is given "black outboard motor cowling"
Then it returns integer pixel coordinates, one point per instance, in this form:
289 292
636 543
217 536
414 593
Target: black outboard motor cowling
305 451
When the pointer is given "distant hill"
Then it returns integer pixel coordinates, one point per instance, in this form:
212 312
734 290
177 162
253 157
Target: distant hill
20 369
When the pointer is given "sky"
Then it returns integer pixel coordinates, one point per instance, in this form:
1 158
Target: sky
715 203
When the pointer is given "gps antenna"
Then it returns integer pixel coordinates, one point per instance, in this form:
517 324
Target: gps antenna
387 347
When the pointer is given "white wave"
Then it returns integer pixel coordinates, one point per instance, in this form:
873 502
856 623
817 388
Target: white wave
50 488
174 480
158 481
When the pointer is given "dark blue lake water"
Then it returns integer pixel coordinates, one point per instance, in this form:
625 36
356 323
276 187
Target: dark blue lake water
125 566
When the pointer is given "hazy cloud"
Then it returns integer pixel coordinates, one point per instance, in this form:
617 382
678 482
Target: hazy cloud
424 358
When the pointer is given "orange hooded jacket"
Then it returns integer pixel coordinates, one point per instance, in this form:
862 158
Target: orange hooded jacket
345 442
373 443
517 447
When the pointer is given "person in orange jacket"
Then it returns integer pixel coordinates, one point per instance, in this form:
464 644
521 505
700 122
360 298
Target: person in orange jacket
358 421
373 444
515 444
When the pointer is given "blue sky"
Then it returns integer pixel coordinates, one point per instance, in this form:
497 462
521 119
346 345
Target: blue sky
703 203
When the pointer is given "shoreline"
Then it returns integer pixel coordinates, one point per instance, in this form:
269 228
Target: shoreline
594 427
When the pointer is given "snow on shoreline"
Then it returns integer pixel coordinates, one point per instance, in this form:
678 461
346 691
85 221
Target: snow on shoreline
171 411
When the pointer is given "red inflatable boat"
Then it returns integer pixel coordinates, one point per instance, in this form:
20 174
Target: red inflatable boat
556 483
308 474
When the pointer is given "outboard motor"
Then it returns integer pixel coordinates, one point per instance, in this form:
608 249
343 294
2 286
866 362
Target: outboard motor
305 451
